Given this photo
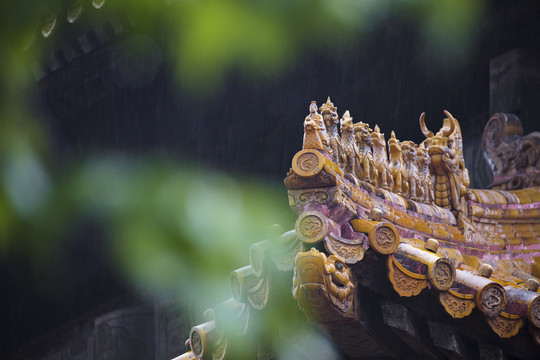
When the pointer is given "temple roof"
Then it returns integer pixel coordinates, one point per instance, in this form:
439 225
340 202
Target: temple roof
405 225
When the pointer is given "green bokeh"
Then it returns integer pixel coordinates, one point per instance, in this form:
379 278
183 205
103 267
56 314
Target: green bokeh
173 228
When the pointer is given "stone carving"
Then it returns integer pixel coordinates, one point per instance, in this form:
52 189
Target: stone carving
295 181
349 253
457 305
529 151
432 173
349 250
308 162
328 189
442 274
349 154
447 164
331 120
197 343
258 295
339 197
397 169
250 287
311 227
365 155
462 175
534 312
220 351
207 342
492 299
504 325
425 180
411 169
315 136
285 250
513 158
257 258
304 197
404 282
420 264
383 177
407 284
385 238
471 233
241 281
323 285
251 284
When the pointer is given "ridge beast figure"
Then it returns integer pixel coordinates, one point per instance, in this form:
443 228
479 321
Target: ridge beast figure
331 120
365 156
426 184
380 160
411 169
399 176
349 151
447 165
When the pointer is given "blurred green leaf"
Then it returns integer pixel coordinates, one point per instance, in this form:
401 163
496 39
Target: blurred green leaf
172 228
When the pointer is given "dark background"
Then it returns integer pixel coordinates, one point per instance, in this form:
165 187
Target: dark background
110 100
